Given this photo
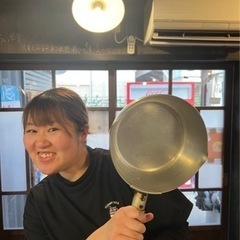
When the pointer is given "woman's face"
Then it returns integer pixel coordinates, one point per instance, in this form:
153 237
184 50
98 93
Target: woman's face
55 150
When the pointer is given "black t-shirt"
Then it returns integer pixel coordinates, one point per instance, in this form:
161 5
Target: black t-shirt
57 209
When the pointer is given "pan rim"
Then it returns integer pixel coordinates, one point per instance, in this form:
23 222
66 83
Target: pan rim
120 162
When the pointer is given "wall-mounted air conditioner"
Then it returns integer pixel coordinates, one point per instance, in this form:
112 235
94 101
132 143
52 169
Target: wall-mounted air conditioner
192 22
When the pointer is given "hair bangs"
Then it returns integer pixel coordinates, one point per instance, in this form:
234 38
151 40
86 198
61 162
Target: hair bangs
44 113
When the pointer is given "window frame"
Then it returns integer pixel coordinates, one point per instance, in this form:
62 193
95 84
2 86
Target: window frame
229 123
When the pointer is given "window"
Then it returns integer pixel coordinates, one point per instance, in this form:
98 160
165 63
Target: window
202 88
17 88
13 169
92 86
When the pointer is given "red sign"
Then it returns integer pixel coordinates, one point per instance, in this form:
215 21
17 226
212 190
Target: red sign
184 90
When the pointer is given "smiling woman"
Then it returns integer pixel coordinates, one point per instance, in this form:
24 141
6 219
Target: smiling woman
51 133
78 173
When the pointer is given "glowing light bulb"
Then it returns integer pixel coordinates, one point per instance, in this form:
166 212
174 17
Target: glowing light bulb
98 15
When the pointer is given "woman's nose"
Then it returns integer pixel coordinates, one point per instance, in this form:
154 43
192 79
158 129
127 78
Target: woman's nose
42 140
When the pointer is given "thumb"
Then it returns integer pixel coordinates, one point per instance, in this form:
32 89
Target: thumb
148 217
145 217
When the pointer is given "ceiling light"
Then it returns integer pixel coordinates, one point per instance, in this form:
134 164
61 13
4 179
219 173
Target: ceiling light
98 15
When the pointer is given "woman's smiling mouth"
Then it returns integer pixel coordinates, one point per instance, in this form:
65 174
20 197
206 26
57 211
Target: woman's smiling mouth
46 155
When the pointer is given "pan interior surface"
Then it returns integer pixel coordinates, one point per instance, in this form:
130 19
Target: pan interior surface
157 143
154 132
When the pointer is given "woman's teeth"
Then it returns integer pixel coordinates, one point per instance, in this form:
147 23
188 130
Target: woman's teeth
45 155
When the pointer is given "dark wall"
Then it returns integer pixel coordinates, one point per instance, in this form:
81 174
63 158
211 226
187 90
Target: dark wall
43 31
47 27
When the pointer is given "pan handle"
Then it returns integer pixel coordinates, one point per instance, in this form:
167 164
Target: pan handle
139 200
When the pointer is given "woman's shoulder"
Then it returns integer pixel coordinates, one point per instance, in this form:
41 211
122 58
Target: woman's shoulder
102 162
100 156
39 188
97 152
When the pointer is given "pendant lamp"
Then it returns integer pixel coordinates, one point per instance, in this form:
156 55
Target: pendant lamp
98 15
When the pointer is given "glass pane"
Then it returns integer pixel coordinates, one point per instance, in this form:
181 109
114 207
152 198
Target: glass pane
12 153
207 86
99 129
206 208
11 95
18 87
133 84
92 86
35 82
213 118
124 77
184 90
12 210
187 85
214 88
190 184
210 174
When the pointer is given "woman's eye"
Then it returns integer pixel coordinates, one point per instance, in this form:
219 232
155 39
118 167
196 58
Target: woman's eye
52 129
30 131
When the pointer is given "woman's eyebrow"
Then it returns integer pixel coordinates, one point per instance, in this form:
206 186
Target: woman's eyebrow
29 123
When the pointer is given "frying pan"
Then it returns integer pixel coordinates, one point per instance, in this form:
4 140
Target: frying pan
157 143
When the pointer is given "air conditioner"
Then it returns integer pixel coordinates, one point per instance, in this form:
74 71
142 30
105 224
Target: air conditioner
192 22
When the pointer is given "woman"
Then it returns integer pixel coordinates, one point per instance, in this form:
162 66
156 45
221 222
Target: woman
83 197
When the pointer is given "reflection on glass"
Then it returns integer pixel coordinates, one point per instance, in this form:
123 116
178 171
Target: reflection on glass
124 77
206 207
133 84
12 208
12 153
92 86
193 87
184 90
208 85
18 87
10 96
35 82
214 88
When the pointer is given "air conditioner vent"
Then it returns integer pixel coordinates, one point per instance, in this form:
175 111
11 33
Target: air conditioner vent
211 34
209 38
192 23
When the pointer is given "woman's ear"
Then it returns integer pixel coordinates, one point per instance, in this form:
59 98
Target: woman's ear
84 133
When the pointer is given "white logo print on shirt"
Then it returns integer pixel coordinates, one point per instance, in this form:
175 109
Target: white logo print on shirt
112 207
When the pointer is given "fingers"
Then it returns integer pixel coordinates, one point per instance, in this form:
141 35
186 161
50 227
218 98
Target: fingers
134 213
132 221
148 217
127 233
136 225
128 223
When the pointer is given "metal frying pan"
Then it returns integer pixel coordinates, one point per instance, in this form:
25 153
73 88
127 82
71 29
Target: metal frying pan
157 143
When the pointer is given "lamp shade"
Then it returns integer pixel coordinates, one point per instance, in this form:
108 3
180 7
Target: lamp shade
98 15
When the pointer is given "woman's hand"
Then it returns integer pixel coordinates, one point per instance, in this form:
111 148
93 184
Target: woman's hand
126 224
